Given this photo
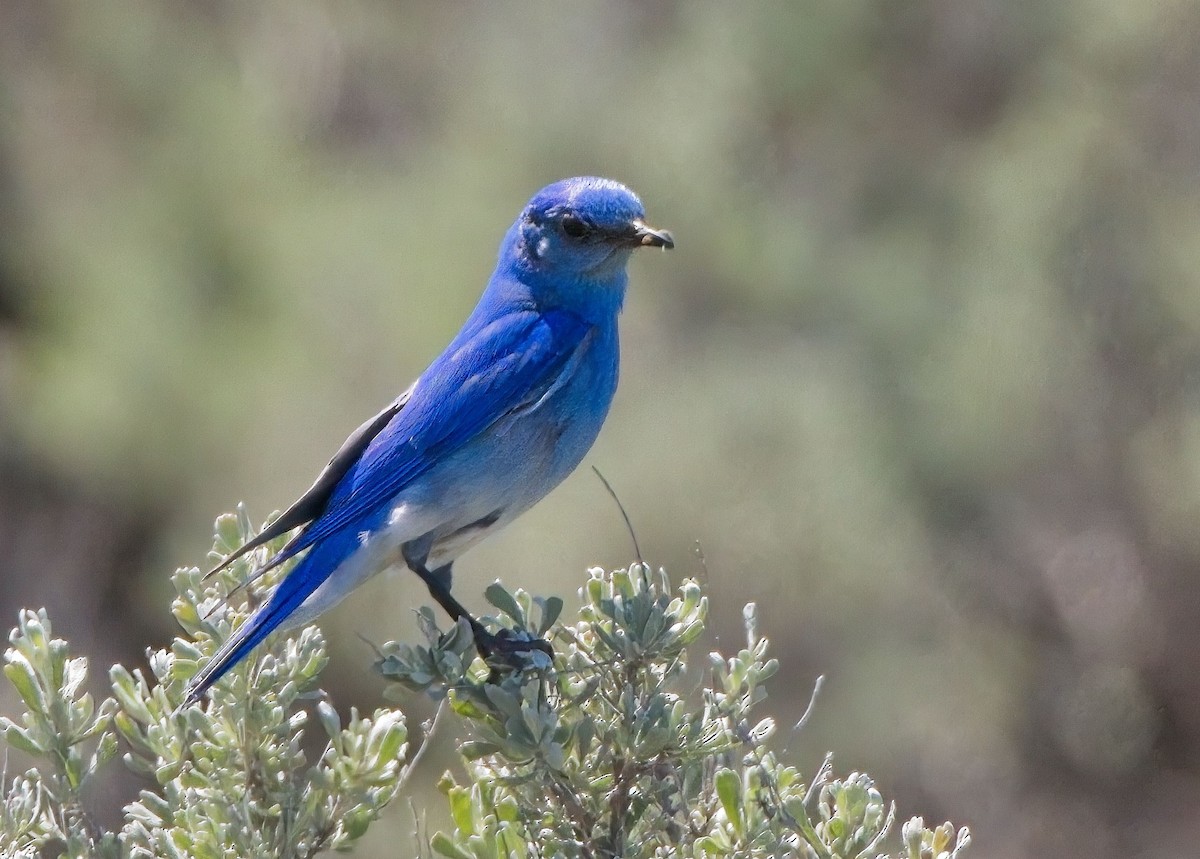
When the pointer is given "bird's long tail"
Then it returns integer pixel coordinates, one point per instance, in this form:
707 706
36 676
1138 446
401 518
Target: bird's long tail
245 638
299 584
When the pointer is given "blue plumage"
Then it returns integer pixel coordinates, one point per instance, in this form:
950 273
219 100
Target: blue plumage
495 422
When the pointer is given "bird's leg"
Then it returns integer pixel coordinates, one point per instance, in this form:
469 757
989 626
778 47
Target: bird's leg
504 648
436 581
416 556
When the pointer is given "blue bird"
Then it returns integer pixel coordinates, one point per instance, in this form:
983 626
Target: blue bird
496 421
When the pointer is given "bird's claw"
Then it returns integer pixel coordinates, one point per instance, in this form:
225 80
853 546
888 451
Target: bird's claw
509 650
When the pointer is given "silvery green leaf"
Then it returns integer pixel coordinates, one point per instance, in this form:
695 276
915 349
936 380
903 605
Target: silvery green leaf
551 608
20 738
21 675
498 596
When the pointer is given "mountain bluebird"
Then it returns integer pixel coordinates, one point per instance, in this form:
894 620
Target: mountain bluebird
494 423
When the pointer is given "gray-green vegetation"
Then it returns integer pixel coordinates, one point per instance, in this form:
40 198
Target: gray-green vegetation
612 750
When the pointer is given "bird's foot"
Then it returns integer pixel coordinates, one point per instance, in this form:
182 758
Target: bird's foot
511 650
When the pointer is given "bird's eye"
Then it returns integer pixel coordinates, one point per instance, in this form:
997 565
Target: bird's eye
574 226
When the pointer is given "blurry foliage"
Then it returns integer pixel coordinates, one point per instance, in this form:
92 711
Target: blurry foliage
232 778
597 755
926 361
613 752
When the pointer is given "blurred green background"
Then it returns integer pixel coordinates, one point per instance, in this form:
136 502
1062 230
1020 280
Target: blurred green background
922 377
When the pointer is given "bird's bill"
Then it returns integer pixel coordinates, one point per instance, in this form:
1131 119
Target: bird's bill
646 235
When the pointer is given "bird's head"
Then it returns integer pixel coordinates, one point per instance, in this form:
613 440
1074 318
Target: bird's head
583 229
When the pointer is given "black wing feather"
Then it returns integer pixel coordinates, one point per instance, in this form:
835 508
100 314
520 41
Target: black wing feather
312 503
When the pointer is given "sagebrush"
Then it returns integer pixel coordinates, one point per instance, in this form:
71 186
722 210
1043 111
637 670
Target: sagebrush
619 746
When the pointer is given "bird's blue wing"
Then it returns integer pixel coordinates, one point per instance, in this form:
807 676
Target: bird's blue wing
507 365
312 503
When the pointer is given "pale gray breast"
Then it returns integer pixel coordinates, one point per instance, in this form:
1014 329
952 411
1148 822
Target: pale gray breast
528 452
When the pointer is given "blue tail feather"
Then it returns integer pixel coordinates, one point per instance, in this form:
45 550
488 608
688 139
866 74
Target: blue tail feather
312 570
248 636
